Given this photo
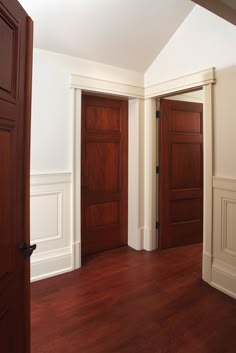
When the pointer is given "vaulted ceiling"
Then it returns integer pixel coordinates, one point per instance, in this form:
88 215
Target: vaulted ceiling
123 33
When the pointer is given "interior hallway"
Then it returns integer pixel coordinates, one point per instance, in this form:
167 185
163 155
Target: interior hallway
123 301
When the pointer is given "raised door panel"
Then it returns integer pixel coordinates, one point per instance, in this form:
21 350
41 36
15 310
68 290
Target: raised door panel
186 167
185 122
9 56
102 166
7 338
185 210
102 118
7 213
102 214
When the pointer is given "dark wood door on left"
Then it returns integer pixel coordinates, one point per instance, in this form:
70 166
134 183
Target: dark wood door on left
15 99
104 173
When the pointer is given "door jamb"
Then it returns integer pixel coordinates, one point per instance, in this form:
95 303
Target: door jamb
135 119
204 80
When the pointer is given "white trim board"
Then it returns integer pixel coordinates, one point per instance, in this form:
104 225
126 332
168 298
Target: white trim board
50 264
52 178
181 84
104 86
224 183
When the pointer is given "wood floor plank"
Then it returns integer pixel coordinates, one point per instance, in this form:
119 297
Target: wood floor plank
123 301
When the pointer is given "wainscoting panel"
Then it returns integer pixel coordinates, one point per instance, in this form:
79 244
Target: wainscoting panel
50 218
224 235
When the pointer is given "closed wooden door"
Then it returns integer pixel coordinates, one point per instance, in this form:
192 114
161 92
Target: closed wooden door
181 174
104 173
15 97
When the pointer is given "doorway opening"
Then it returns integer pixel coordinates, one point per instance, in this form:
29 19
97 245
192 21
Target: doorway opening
180 169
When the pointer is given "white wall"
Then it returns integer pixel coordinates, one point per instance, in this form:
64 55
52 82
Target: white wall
203 41
51 139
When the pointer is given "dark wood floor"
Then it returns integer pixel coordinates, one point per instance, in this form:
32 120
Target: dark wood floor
124 301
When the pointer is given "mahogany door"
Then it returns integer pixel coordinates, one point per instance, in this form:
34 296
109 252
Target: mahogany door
104 173
15 98
181 173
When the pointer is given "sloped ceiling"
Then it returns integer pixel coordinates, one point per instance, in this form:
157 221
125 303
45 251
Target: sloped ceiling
123 33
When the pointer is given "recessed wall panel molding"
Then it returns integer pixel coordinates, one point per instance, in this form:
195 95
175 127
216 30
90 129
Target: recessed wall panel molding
46 225
50 206
224 235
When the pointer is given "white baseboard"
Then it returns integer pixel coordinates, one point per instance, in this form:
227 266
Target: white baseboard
150 239
206 267
76 251
223 290
224 278
51 263
136 240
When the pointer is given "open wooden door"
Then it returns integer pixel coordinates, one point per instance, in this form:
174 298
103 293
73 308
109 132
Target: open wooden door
181 174
15 99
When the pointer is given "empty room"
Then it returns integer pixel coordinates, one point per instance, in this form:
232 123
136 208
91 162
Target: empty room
118 176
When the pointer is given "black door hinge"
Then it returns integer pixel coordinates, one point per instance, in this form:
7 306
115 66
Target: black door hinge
158 169
157 225
158 114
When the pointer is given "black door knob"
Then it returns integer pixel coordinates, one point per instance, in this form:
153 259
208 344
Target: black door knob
28 249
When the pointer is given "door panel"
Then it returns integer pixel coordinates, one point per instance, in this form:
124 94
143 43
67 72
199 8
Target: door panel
104 173
102 118
15 94
7 343
6 263
181 177
185 210
186 168
103 214
185 121
99 174
8 41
